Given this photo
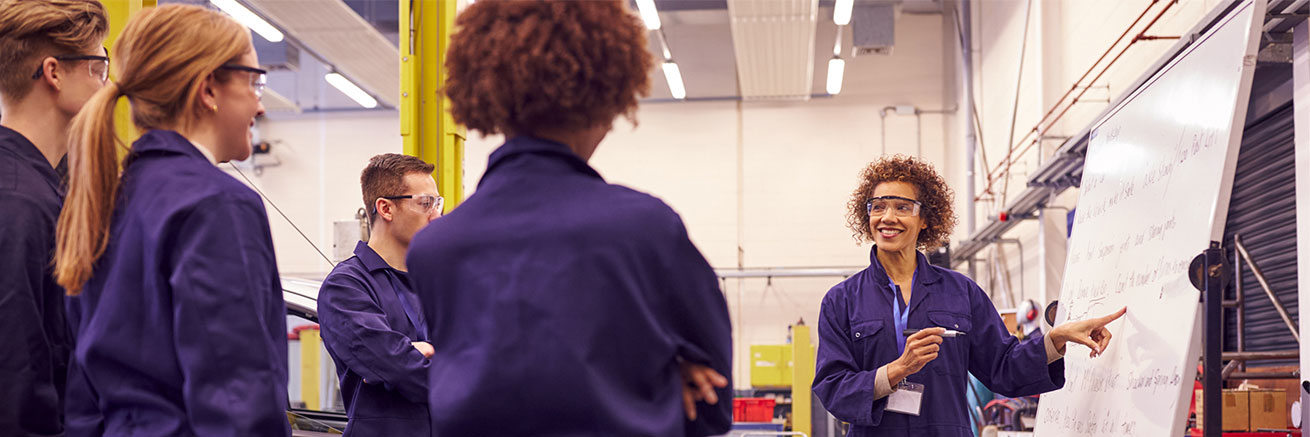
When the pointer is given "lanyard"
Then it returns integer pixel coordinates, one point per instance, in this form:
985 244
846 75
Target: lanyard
415 319
901 318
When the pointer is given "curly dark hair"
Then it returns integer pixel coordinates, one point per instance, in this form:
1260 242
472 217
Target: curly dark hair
937 198
516 67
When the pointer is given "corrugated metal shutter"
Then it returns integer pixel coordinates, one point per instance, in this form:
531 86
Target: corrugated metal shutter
1263 212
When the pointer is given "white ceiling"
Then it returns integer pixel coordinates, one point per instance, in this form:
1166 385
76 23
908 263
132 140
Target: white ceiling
699 34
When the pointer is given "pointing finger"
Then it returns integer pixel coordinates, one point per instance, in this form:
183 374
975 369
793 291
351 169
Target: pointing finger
1105 320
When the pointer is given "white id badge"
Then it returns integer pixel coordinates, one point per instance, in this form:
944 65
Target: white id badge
906 399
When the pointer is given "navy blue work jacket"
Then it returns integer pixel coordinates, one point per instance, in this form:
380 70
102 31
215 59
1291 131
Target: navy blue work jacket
367 330
182 328
857 335
36 340
559 304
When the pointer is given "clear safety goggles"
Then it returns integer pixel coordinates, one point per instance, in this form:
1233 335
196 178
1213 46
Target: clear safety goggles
899 206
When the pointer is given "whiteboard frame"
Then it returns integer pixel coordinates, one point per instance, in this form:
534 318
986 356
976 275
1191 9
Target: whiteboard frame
1301 124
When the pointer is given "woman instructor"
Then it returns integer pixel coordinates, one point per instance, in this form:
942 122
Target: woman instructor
898 339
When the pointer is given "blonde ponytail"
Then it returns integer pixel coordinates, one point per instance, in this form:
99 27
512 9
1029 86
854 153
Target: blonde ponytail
83 229
162 58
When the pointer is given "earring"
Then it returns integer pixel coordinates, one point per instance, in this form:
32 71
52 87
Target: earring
213 108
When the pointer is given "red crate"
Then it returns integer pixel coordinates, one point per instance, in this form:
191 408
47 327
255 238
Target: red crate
753 409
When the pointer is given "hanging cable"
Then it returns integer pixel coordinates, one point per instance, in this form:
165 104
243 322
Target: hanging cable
284 216
1014 115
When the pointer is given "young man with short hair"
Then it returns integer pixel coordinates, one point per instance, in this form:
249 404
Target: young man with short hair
369 318
52 60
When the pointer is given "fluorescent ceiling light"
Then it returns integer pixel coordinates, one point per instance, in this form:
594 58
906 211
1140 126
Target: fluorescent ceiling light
674 78
836 69
351 90
249 19
841 12
649 14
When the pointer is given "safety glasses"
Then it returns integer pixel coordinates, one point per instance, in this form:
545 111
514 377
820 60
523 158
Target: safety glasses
425 201
899 206
97 66
258 77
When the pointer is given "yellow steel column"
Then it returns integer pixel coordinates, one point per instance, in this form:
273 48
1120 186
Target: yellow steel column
803 358
119 12
426 126
310 366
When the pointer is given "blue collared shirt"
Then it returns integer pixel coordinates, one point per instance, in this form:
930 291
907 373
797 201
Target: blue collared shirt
368 332
559 304
857 335
36 340
182 326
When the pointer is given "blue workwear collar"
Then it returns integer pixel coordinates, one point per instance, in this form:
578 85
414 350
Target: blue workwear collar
370 258
23 149
167 141
923 272
527 145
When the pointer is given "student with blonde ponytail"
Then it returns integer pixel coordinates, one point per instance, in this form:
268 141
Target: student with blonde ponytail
51 61
179 317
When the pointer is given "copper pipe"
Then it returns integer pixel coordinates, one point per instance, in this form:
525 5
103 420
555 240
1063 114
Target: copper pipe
995 172
1098 77
1074 87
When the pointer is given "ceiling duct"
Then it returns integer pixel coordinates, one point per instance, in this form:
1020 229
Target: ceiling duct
277 56
774 46
873 29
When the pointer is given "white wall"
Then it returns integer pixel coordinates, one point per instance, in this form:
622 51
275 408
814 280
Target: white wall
317 180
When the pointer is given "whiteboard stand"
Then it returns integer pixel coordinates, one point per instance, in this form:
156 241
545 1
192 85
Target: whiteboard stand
1301 99
1212 295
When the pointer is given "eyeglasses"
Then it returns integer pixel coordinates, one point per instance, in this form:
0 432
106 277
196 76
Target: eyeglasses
425 201
98 66
258 80
899 206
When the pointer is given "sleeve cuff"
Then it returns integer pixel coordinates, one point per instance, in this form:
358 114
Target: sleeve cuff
1052 354
882 387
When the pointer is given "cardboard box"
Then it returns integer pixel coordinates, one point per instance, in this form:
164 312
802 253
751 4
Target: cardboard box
1236 410
1268 409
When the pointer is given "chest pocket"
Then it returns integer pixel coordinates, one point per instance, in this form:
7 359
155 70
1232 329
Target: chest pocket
866 342
954 355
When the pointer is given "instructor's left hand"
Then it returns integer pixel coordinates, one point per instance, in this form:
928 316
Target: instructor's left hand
698 384
1090 333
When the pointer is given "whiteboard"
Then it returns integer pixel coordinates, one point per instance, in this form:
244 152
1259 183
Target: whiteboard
1154 193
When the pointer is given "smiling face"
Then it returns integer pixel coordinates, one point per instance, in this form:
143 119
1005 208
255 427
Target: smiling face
239 106
891 232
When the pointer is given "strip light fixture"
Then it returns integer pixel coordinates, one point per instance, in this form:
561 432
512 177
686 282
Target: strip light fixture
841 12
351 90
649 14
674 77
249 19
836 69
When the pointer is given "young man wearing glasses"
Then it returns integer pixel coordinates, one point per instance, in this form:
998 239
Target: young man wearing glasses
52 60
369 318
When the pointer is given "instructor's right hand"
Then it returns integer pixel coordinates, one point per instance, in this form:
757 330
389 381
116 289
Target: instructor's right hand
920 348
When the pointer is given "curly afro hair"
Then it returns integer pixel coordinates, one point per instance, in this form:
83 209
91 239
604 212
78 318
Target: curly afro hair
937 199
516 67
